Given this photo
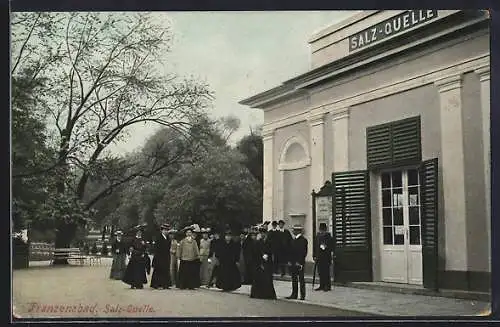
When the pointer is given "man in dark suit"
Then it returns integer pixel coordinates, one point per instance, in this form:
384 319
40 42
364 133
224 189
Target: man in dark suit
323 258
274 241
297 260
284 240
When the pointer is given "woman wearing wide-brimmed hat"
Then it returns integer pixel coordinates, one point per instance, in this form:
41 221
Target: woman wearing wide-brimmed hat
189 255
229 278
119 251
139 264
204 252
262 283
161 260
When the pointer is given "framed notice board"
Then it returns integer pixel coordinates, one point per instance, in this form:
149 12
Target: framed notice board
322 209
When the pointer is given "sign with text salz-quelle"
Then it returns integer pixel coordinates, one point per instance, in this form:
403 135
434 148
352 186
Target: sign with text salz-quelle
390 27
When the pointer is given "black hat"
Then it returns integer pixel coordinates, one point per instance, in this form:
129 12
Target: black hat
322 226
281 222
274 223
228 232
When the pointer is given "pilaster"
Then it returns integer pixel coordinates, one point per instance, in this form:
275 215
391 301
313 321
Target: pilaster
452 163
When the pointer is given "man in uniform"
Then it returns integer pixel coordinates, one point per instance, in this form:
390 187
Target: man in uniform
297 260
323 258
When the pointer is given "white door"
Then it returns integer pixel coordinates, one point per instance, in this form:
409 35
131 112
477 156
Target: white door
401 227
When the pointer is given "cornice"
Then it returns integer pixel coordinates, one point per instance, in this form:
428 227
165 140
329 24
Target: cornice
483 73
449 83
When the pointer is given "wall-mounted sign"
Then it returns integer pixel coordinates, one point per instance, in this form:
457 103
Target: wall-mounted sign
390 27
324 211
399 230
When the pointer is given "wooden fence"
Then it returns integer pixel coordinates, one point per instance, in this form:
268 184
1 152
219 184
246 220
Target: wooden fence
41 251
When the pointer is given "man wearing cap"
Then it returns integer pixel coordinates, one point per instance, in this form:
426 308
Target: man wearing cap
297 260
119 252
228 278
161 260
323 258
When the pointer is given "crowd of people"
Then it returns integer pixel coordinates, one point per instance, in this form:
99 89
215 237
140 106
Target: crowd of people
203 257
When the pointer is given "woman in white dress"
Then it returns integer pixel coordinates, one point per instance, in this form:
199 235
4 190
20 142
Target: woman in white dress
204 252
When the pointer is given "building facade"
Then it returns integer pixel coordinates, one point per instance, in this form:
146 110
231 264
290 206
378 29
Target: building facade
392 125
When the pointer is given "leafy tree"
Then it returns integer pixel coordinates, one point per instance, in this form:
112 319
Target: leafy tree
216 190
102 76
253 148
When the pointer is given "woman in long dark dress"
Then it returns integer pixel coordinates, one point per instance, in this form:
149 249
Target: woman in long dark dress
119 252
228 278
161 261
262 286
139 264
189 255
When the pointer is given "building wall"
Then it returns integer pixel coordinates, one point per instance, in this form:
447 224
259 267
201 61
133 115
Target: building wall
290 107
423 102
390 71
291 188
281 136
477 248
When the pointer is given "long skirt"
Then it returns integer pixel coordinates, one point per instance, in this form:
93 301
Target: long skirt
118 266
228 277
242 267
204 270
161 274
174 270
135 274
262 286
189 274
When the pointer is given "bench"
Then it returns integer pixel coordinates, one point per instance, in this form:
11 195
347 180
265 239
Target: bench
68 254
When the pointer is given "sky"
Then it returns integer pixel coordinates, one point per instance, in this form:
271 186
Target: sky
238 54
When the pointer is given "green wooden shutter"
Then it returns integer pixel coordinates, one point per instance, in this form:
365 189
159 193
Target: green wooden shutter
352 226
394 144
429 216
406 145
378 146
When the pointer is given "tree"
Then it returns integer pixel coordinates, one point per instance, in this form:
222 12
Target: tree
253 148
216 190
105 77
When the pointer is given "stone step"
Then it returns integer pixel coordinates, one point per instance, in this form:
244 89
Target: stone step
402 289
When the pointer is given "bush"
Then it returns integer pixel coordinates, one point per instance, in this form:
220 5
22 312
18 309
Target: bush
104 249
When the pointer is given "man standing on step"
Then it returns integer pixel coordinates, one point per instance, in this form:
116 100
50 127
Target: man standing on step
323 258
297 260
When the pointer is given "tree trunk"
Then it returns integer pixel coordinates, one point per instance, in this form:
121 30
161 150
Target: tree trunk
64 235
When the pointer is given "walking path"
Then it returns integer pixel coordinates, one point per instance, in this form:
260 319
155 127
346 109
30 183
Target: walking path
369 301
373 302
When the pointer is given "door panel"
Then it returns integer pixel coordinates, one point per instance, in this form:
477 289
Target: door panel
429 207
352 226
401 232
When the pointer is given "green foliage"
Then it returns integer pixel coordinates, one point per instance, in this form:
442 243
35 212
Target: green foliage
253 148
